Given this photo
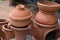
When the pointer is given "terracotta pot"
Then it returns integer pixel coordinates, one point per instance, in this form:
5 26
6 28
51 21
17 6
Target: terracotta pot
36 32
3 21
8 32
2 35
47 11
42 33
20 16
48 6
20 33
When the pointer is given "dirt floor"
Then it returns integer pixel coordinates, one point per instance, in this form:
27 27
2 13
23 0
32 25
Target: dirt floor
5 9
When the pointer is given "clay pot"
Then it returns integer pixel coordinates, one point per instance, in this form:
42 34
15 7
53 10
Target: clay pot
41 32
20 16
8 32
36 32
20 33
3 21
48 6
47 11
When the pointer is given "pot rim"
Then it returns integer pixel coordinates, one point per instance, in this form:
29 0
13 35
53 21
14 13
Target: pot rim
4 28
44 25
41 4
3 21
48 32
14 28
23 18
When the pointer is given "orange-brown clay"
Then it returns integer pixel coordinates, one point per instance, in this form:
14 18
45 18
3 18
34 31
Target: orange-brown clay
45 21
8 32
20 16
3 21
20 33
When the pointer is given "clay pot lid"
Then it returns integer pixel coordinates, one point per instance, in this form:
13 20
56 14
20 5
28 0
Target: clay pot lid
58 38
20 13
48 4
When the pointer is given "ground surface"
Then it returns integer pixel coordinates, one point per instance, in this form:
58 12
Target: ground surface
5 9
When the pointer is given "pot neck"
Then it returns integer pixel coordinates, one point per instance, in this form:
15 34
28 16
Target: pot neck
49 13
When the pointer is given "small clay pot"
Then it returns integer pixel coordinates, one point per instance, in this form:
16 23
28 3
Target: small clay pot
48 6
20 16
20 33
8 32
3 21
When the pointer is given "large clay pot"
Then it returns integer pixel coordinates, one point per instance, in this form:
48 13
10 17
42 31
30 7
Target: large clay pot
41 32
20 16
45 21
20 33
8 32
47 11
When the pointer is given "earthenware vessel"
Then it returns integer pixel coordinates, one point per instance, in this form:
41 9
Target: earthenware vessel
45 21
20 16
3 21
8 32
20 33
47 11
42 32
2 35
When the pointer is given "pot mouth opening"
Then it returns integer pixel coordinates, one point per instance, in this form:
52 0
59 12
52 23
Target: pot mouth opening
49 4
21 28
6 28
3 21
51 35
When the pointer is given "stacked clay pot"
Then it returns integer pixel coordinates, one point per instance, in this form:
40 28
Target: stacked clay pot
20 20
7 31
2 22
20 16
45 20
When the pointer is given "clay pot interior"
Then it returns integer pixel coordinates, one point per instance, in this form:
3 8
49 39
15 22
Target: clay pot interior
51 35
3 21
